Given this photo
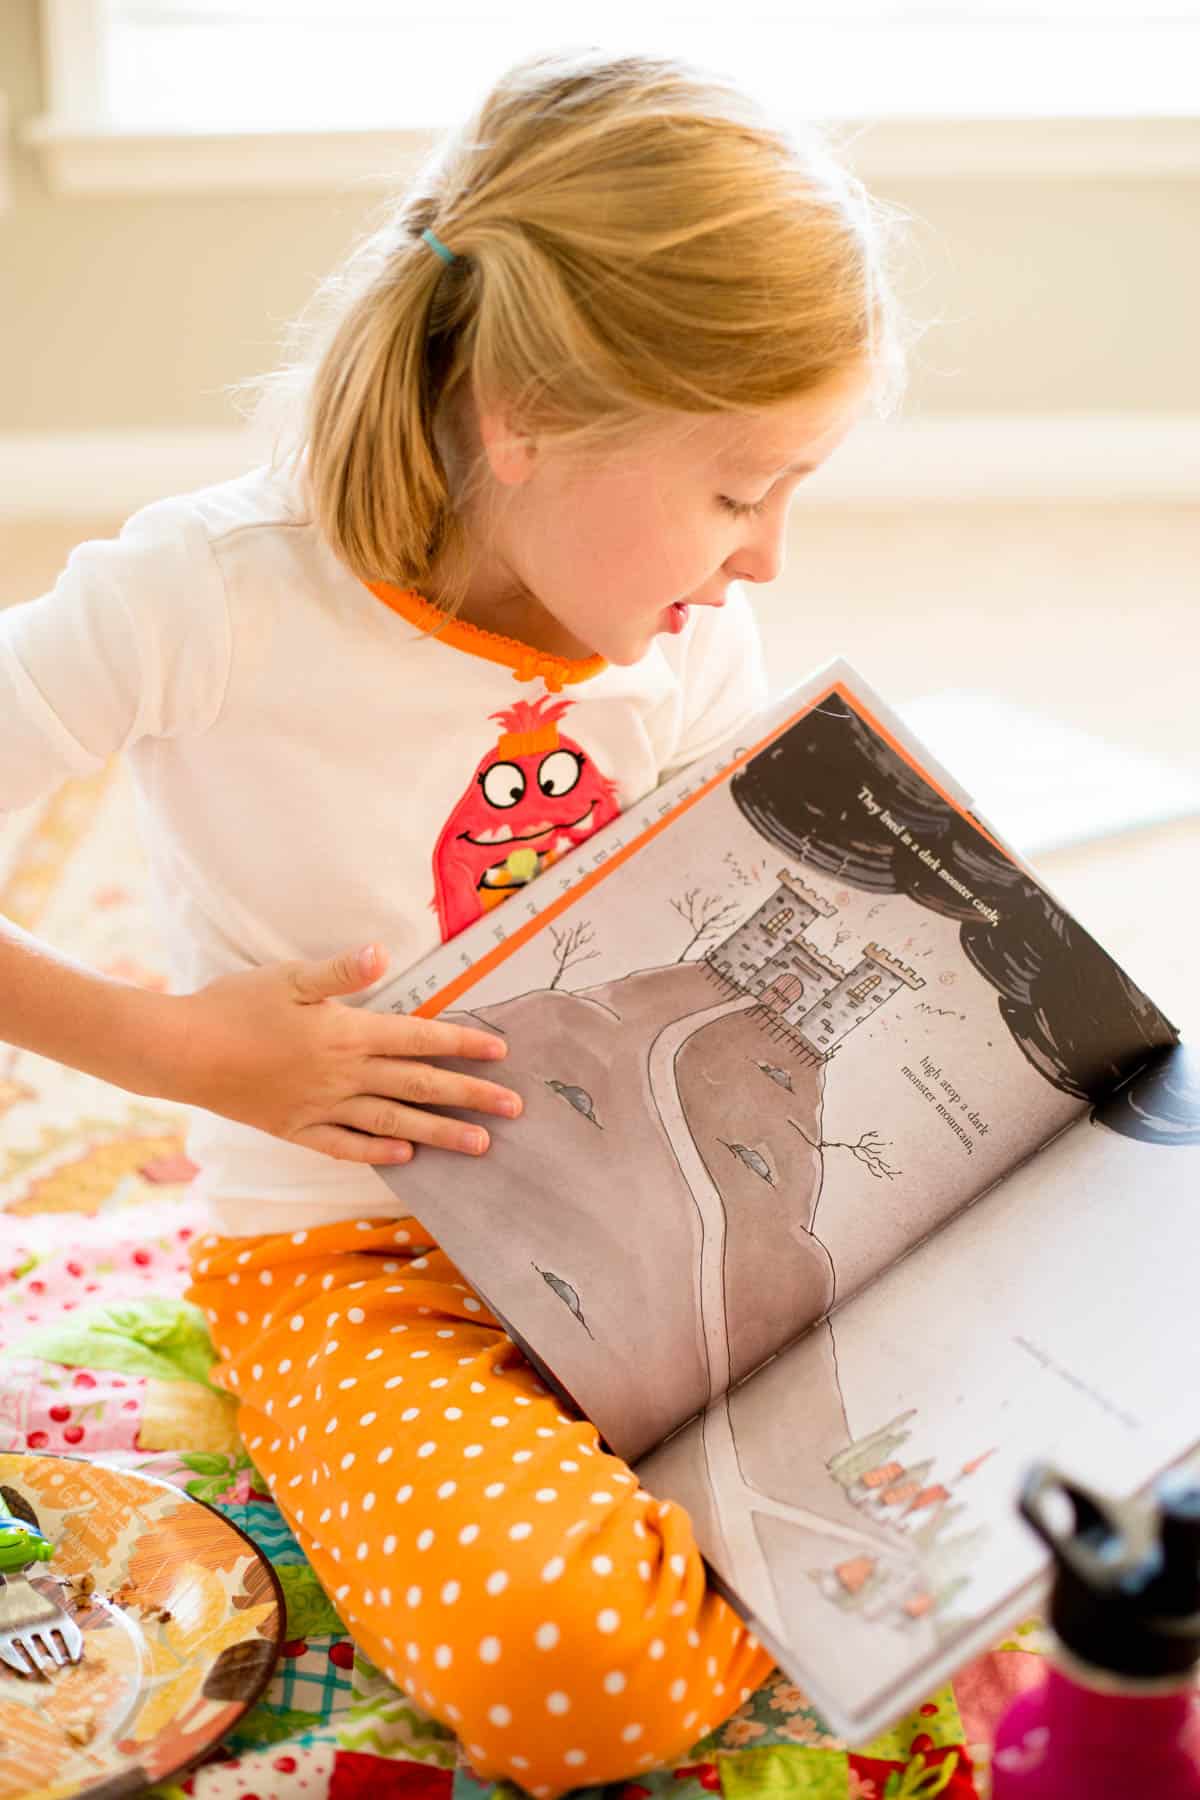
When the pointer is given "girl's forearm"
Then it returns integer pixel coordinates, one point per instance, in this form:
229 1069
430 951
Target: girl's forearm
59 1008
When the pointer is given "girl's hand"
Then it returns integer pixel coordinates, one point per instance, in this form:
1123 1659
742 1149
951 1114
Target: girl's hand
275 1048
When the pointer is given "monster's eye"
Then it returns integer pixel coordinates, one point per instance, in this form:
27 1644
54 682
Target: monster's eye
558 772
503 784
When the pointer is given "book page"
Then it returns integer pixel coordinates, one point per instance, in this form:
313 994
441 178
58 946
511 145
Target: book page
856 1497
770 1032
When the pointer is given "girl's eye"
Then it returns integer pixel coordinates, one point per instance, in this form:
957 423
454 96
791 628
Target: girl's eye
741 508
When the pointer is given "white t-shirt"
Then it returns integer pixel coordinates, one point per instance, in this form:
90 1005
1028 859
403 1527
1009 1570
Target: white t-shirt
314 773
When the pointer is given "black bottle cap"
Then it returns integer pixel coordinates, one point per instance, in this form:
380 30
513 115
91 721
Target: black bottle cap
1126 1593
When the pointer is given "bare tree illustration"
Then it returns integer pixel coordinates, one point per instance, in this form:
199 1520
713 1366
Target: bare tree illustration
868 1150
707 914
569 949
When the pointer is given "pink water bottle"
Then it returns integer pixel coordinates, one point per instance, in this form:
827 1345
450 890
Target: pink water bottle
1116 1717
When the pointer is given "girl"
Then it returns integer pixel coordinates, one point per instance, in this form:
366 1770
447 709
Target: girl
553 412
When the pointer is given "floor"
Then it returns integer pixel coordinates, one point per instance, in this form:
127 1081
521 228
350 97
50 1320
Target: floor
1088 613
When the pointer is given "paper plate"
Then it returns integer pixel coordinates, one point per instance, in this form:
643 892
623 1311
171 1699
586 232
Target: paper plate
181 1632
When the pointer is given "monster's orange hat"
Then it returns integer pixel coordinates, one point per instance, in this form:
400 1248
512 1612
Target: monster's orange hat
531 727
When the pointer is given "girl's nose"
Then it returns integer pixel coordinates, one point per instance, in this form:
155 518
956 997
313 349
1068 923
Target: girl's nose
761 557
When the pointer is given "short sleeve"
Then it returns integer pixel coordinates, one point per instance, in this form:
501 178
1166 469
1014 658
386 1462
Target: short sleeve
723 678
133 640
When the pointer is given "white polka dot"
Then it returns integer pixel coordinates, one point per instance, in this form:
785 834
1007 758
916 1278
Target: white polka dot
410 1412
404 1493
631 1733
498 1421
575 1757
443 1656
569 1468
614 1682
348 1381
676 1564
356 1315
367 1418
477 1387
389 1543
546 1636
373 1354
493 1490
447 1488
677 1689
424 1539
297 1321
471 1305
385 1455
285 1365
608 1620
522 1455
452 1412
557 1702
603 1565
489 1650
468 1534
363 1551
553 1569
496 1582
298 1237
601 1499
243 1256
450 1593
499 1715
520 1530
368 1501
331 1426
348 1459
256 1372
546 1494
427 1448
393 1381
439 1381
413 1596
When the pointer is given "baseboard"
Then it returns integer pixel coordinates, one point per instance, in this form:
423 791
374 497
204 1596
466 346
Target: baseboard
1109 457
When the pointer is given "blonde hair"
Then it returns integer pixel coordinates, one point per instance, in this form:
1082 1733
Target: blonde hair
634 241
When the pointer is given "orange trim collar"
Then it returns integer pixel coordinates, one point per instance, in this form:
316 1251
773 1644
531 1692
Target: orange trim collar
526 663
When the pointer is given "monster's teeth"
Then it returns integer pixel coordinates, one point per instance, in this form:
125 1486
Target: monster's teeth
588 821
500 836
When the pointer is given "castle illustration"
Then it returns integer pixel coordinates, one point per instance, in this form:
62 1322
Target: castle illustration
770 957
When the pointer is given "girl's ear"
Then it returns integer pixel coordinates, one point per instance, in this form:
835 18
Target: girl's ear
510 452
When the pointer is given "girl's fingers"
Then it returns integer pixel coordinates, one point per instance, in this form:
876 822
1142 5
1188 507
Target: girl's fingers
399 1034
354 1146
387 1119
423 1085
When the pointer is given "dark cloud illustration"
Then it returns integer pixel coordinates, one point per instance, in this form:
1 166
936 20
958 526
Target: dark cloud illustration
1080 1021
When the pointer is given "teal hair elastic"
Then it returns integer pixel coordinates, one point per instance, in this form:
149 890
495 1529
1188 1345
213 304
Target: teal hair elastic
436 244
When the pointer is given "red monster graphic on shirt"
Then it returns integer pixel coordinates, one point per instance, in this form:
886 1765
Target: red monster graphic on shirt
533 797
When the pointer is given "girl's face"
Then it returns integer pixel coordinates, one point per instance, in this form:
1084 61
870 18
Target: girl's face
602 559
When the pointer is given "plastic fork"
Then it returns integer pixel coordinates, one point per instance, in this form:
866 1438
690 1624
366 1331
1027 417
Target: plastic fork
28 1622
28 1618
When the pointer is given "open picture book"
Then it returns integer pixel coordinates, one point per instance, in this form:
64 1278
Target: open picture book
853 1175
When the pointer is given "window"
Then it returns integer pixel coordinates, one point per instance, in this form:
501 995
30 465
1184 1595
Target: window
320 94
861 989
251 65
778 921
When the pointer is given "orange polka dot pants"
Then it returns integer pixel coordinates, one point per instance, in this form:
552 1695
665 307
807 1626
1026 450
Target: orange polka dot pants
479 1545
